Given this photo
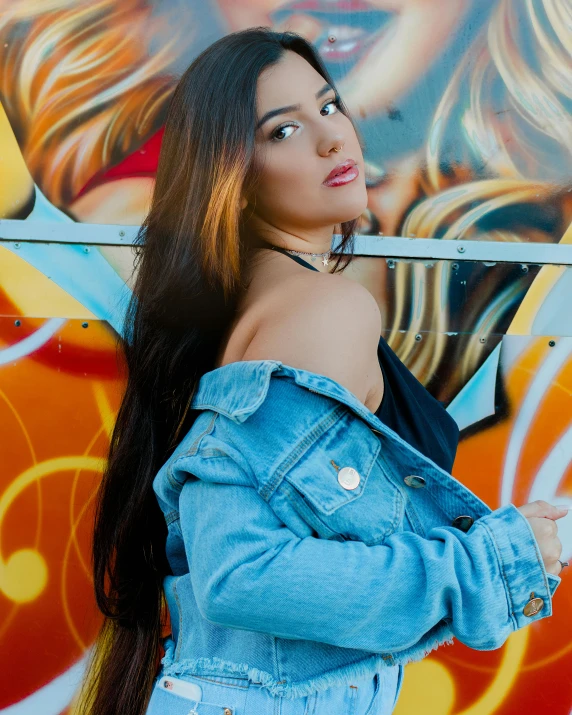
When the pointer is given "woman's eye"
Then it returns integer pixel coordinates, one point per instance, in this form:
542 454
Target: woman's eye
335 103
275 136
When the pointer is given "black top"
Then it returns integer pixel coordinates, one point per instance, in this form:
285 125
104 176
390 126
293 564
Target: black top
407 407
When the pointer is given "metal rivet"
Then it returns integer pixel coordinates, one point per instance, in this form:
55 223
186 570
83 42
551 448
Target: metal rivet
524 268
455 266
16 245
391 264
463 522
122 233
413 480
84 325
482 340
418 337
17 323
227 711
86 249
349 477
461 249
552 343
534 606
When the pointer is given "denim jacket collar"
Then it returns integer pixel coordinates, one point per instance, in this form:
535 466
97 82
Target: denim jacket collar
220 390
238 389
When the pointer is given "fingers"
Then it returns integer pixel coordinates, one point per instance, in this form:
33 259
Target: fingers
547 527
541 508
564 508
554 568
552 557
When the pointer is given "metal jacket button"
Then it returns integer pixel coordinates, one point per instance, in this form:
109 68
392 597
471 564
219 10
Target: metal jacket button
348 477
414 481
463 522
534 606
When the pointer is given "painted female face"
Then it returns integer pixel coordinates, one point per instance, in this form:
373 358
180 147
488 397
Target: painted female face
300 126
380 48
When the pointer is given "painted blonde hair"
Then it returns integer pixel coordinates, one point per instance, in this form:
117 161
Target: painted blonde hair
79 86
506 107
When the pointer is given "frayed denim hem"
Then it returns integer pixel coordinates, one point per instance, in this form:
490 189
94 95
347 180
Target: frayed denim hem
279 688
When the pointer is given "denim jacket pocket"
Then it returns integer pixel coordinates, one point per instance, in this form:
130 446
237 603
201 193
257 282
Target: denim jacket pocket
340 488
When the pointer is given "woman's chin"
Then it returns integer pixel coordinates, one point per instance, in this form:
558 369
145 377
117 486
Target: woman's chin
349 213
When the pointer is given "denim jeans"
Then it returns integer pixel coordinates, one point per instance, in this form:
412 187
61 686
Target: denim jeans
224 695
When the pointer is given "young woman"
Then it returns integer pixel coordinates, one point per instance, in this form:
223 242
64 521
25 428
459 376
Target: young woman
277 477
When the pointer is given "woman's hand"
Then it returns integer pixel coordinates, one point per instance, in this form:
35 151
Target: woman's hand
542 519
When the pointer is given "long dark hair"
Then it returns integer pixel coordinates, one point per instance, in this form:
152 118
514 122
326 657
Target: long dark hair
191 253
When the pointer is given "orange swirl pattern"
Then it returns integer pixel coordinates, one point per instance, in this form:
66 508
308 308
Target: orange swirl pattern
51 452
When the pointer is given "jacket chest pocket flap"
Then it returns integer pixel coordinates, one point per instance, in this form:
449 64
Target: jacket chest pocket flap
339 485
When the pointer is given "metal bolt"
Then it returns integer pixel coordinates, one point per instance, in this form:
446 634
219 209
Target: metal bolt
455 266
482 340
418 337
122 233
84 325
16 245
331 38
552 343
391 263
524 268
461 249
17 323
86 249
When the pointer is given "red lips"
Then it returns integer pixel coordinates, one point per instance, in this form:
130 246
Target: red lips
340 169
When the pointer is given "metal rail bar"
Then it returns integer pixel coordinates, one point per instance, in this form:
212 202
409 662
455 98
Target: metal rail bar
15 232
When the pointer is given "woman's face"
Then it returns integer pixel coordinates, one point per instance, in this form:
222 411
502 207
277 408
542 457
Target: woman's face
299 129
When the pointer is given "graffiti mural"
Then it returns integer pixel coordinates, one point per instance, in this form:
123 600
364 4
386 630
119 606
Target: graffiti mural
464 110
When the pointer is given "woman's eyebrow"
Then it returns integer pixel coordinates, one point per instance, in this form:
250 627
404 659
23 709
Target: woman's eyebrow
291 107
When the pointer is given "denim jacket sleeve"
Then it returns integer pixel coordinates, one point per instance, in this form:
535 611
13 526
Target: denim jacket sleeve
258 563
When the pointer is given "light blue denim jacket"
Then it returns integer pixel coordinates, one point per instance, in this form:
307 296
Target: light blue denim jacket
310 544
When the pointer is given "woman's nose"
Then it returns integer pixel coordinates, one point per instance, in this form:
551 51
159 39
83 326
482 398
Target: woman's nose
331 144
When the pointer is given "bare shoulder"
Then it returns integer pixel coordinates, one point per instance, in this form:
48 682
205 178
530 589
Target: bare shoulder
327 324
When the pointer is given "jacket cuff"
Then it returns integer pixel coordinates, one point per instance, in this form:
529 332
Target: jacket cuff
553 582
526 581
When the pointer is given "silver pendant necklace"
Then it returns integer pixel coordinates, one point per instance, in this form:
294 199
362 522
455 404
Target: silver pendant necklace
324 256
